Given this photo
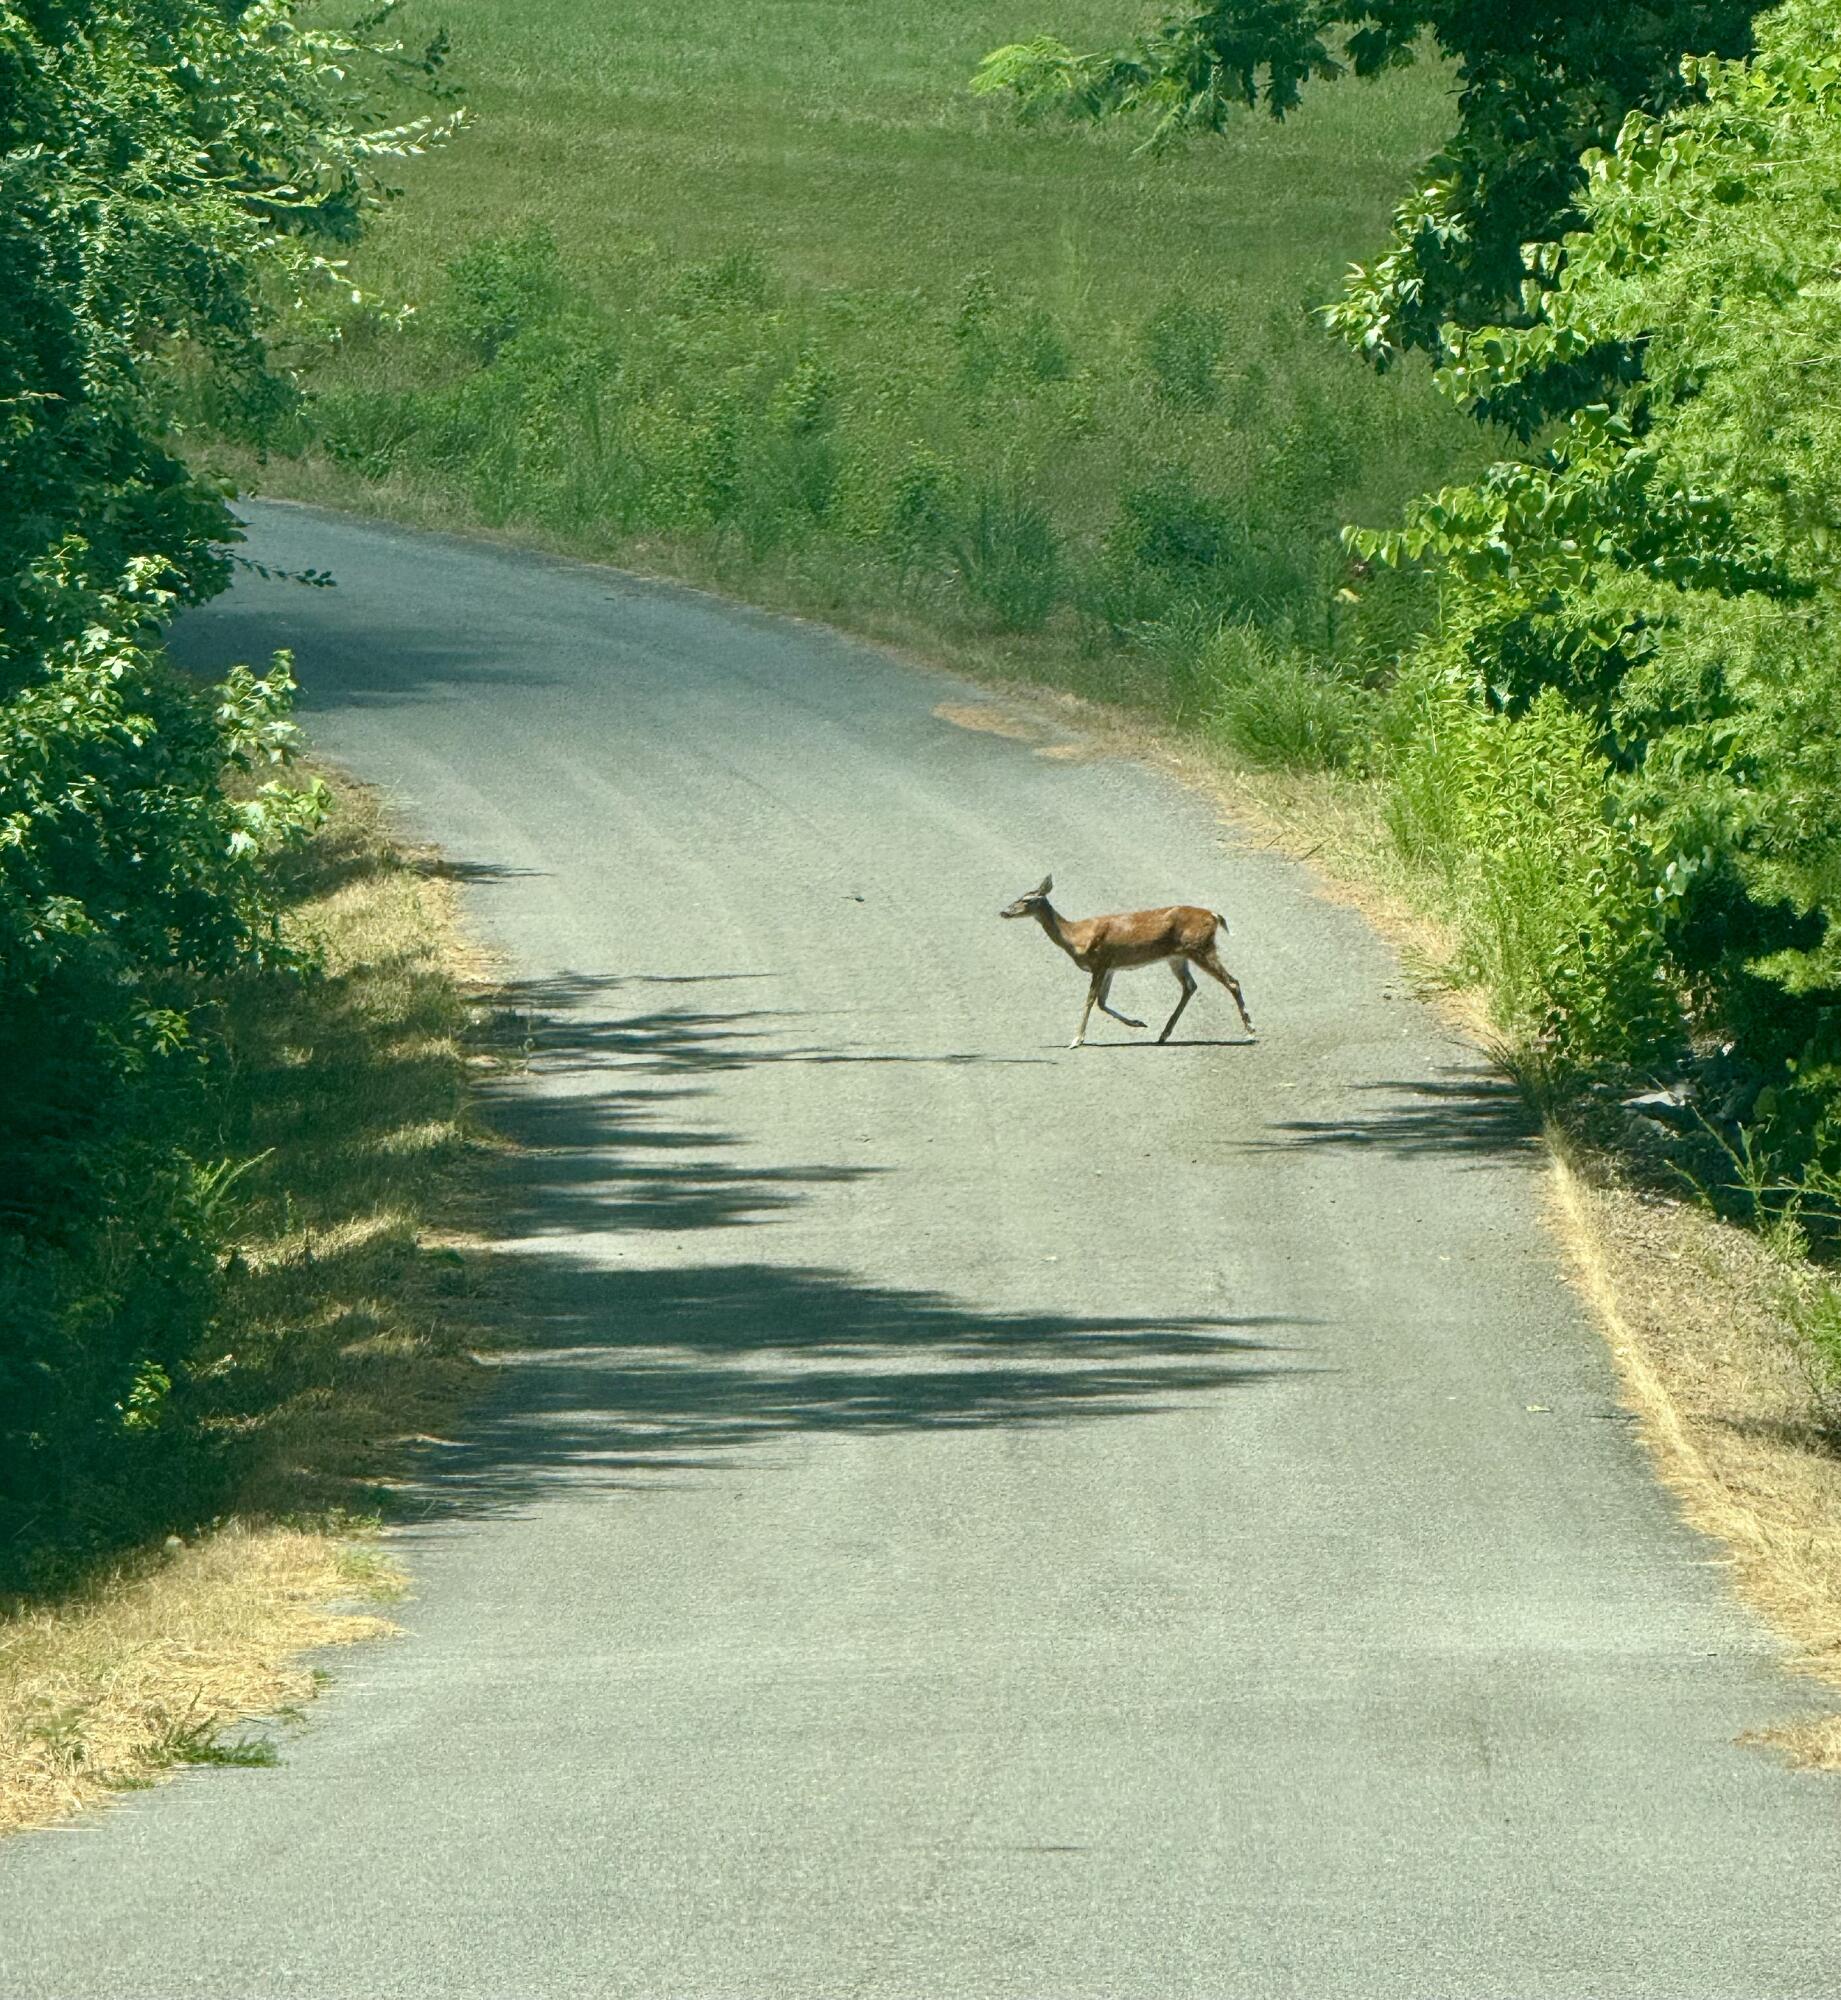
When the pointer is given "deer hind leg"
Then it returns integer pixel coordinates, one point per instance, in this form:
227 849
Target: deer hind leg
1211 964
1186 980
1105 989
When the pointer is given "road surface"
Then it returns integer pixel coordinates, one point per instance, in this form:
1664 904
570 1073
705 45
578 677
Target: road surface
975 1519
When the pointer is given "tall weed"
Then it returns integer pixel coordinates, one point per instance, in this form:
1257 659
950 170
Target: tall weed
1513 816
1009 559
980 458
1182 345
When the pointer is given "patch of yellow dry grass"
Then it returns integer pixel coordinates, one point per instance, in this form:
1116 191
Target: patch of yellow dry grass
142 1673
348 1323
1713 1370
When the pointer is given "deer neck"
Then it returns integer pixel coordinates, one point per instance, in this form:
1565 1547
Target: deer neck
1057 931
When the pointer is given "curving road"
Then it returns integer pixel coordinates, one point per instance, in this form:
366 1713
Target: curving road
976 1519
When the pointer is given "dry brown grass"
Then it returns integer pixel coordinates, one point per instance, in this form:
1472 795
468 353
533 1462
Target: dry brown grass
145 1672
351 1311
1715 1372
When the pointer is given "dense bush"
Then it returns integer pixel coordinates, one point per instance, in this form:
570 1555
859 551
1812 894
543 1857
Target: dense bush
1640 652
160 161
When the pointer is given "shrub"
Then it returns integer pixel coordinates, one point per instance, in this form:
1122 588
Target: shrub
1168 526
1169 545
1279 708
1553 898
917 508
1001 341
1008 559
152 145
501 287
1041 348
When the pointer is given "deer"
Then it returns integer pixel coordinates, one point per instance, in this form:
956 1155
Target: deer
1180 937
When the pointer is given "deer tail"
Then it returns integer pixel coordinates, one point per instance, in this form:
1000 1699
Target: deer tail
1221 923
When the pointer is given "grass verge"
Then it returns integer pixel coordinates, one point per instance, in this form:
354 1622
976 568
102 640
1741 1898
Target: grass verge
1714 1369
346 1333
154 1668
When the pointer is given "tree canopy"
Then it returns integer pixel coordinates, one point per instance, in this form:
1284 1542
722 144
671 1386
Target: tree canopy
1667 565
1537 87
173 175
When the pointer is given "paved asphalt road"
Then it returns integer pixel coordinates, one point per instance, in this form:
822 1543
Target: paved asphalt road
979 1519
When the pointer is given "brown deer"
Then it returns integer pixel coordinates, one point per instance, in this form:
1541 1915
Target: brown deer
1178 937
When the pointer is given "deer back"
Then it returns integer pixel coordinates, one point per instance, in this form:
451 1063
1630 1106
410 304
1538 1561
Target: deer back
1141 937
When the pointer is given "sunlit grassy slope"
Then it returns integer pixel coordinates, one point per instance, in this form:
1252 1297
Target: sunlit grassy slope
765 296
838 137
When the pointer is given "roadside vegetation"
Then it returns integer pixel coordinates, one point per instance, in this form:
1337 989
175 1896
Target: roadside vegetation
230 1028
189 1557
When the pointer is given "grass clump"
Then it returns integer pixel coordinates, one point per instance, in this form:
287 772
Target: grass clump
157 1666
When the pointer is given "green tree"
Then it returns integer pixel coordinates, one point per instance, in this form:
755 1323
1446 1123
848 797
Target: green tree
1666 565
1537 86
173 175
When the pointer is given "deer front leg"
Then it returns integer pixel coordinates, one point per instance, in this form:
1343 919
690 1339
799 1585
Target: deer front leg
1186 979
1105 990
1093 993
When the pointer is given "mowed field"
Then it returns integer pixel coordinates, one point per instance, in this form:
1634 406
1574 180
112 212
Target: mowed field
839 138
768 297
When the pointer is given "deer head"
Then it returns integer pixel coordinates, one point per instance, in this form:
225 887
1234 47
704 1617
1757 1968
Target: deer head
1032 904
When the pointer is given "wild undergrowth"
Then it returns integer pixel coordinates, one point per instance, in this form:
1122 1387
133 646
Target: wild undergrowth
170 1586
322 1121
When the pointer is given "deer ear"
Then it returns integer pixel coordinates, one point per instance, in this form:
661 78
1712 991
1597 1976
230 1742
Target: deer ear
1048 882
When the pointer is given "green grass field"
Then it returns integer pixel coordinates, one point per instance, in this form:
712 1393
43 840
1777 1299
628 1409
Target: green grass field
839 138
767 298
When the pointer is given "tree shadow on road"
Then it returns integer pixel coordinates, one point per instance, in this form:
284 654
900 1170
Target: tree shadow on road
569 1020
1469 1114
645 1373
623 1363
